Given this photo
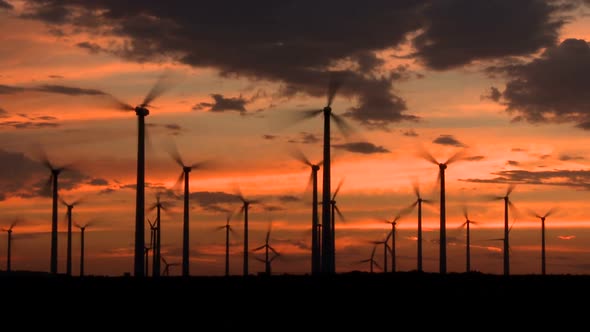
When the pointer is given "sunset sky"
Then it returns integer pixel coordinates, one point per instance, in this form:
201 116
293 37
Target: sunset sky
508 81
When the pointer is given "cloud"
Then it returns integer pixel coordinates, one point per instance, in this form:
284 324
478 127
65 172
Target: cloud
494 94
361 147
3 113
518 150
566 237
28 124
579 179
93 48
459 32
269 137
410 133
512 163
288 198
222 104
552 88
7 89
172 128
306 138
98 182
567 157
56 76
475 158
5 5
447 140
70 91
216 201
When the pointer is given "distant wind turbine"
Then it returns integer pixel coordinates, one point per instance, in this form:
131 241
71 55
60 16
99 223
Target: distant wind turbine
393 236
167 267
335 210
245 208
9 252
507 204
162 85
267 247
82 229
419 201
386 249
372 262
228 229
70 207
542 218
184 176
159 206
467 225
315 225
443 217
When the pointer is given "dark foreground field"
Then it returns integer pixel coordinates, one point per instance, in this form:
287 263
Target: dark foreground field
296 300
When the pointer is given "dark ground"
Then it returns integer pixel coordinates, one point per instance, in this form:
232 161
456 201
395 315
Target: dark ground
352 298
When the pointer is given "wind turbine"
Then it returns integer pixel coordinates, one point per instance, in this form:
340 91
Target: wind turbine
167 267
315 225
335 210
266 246
70 207
372 262
228 229
82 229
443 217
393 234
153 231
184 176
467 225
9 252
159 205
506 239
328 264
542 218
161 85
386 248
419 201
53 183
245 206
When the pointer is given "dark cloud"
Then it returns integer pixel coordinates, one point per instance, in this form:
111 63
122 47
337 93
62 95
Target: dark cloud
3 113
410 133
306 138
222 104
45 118
288 198
93 48
569 178
56 76
216 201
24 177
475 158
447 140
70 91
518 150
6 89
269 137
98 182
107 191
567 157
552 88
458 32
361 147
28 124
512 163
493 94
172 128
5 5
272 208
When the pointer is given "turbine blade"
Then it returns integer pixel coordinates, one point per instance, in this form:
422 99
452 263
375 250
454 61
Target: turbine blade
465 213
377 265
177 185
458 156
172 150
163 84
298 155
259 248
338 188
422 153
339 213
120 105
342 125
550 212
510 189
333 86
416 188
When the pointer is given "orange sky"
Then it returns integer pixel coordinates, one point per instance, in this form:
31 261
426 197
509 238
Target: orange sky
100 142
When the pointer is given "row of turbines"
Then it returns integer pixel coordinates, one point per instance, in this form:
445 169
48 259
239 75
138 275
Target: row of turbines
323 230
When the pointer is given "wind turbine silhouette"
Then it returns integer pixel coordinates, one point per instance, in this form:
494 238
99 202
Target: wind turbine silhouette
328 264
167 267
467 225
53 184
228 229
162 84
393 234
542 218
335 210
184 176
372 262
82 229
315 225
507 204
153 231
386 248
159 206
70 207
443 217
244 209
419 201
9 252
266 246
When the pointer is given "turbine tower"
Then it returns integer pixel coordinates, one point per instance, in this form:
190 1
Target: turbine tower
419 201
543 257
228 229
335 210
82 229
162 84
372 262
9 252
267 249
443 216
159 206
506 240
184 176
467 225
70 207
315 225
245 207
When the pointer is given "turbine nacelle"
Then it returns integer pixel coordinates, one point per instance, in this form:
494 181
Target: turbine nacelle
328 109
442 166
141 111
187 169
315 168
